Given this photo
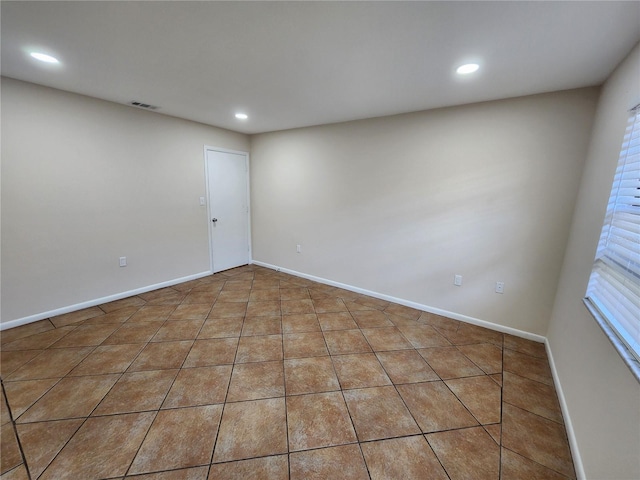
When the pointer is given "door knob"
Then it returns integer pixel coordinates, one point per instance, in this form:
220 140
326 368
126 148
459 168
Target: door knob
214 220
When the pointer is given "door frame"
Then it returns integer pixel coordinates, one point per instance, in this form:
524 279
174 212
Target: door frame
208 148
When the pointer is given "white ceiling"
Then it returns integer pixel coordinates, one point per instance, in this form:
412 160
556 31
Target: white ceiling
307 63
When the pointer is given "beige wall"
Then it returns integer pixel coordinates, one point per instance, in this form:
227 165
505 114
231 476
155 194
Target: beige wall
602 396
86 181
398 205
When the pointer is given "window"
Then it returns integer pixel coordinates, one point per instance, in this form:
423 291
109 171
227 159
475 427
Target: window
613 294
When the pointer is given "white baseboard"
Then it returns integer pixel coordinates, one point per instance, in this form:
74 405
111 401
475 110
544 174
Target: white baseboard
573 442
98 301
407 303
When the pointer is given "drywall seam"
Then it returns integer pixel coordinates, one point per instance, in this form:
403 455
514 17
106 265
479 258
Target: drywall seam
418 306
99 301
573 442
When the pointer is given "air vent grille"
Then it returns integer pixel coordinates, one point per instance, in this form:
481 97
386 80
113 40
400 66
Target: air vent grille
146 106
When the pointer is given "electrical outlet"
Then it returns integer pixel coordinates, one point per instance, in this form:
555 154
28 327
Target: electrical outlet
123 261
457 280
298 248
499 287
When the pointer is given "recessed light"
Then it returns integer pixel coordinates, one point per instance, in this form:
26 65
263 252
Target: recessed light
44 57
467 68
242 116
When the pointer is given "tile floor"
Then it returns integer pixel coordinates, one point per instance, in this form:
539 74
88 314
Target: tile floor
256 374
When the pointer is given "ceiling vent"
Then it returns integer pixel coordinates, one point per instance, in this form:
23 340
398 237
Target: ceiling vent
146 106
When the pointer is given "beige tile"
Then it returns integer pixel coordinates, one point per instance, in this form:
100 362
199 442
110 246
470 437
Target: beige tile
485 355
318 420
214 351
265 325
522 345
228 309
152 313
75 317
21 395
379 413
134 301
399 321
54 363
344 461
116 317
86 335
27 330
11 361
137 392
10 456
259 349
295 293
233 296
38 341
179 438
301 345
400 458
537 439
336 321
535 397
468 334
480 395
403 311
159 293
495 430
221 328
434 407
371 319
199 386
527 366
371 302
331 304
18 473
300 323
310 375
169 299
163 355
275 467
195 473
133 333
423 336
359 371
71 397
108 359
244 285
42 441
178 330
353 306
259 309
252 429
5 416
264 295
290 307
467 453
252 381
340 342
406 366
448 362
386 338
517 467
110 442
196 311
206 297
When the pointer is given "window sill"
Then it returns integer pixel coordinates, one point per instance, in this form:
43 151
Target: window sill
627 357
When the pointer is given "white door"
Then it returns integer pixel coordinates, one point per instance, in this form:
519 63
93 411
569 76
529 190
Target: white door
227 175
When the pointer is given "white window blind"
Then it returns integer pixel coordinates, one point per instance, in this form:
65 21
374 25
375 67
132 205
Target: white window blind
613 294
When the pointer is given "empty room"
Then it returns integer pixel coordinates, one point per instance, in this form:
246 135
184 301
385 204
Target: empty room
320 240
